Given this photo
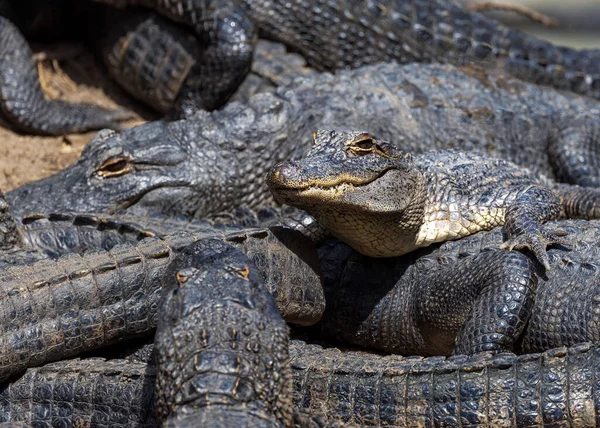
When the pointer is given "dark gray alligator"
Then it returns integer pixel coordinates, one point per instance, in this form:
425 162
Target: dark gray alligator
464 296
221 345
157 61
347 388
217 161
334 386
56 309
52 235
341 34
87 392
556 388
351 33
384 202
23 102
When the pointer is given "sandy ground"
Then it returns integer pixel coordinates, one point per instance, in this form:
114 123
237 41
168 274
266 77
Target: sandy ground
77 78
69 73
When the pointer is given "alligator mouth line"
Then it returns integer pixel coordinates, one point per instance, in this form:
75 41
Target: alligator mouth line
337 184
134 200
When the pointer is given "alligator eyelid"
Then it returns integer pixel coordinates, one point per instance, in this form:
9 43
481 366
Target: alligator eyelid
114 167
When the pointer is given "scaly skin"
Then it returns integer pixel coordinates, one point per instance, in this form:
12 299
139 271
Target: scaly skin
384 203
55 234
89 392
464 296
227 36
351 33
553 388
23 103
338 387
343 388
155 60
57 309
10 236
218 160
356 33
221 345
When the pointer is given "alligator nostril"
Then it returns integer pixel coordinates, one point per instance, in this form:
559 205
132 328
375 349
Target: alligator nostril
279 175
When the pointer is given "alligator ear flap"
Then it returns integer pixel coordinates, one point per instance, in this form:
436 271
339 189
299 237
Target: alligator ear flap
390 150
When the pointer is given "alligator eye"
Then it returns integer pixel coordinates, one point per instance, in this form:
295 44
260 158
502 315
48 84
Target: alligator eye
114 167
366 144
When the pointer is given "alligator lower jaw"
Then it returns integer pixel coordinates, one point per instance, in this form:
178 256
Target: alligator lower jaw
317 193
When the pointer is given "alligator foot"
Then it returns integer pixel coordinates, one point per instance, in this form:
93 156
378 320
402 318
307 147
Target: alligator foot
536 239
523 222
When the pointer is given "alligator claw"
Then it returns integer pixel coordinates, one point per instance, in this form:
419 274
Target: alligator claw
536 241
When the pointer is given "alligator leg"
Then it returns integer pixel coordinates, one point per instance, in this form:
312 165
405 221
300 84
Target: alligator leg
223 56
579 202
575 153
22 101
148 56
492 292
10 237
523 223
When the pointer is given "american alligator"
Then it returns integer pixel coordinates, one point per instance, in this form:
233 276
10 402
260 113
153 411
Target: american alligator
52 235
352 33
384 202
350 388
464 296
217 161
23 102
340 35
340 385
221 345
154 60
56 309
86 392
556 388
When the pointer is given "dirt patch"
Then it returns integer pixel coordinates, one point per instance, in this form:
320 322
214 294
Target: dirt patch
71 74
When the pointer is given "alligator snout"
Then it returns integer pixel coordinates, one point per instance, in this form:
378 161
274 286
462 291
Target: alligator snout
285 175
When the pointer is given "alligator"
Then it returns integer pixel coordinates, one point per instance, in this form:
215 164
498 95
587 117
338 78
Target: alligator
135 49
352 33
221 345
82 392
464 296
356 33
384 202
24 104
348 387
57 309
51 235
216 161
334 386
555 388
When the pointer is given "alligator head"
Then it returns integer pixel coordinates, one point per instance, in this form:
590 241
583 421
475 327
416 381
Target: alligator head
156 168
360 189
221 344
